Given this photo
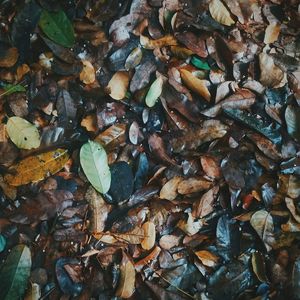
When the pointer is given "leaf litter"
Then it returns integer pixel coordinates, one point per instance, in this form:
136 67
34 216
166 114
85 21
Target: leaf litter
149 149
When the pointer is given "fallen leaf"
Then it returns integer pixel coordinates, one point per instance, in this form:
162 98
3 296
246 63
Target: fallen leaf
272 33
94 163
154 92
195 84
87 75
9 58
38 167
126 285
220 13
22 133
118 85
169 189
148 43
150 235
207 258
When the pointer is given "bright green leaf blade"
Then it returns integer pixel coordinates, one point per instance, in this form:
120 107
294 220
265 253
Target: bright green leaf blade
13 88
154 92
57 27
22 133
199 63
15 273
94 163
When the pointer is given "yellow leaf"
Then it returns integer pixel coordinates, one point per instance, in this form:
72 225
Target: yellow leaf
167 40
22 133
118 85
169 190
195 84
127 279
38 167
150 234
272 33
220 13
87 75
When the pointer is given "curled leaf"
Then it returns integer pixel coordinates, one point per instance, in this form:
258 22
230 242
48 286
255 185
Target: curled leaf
87 75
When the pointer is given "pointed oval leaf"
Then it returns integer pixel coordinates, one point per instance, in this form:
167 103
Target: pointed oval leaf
57 27
118 85
22 133
154 92
15 273
38 167
134 58
292 117
220 13
94 163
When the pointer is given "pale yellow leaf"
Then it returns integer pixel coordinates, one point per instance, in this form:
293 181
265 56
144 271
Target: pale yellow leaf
220 13
87 75
272 33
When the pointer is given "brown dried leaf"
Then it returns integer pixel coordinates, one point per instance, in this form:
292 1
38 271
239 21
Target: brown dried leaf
118 85
169 241
204 205
210 166
9 57
207 258
126 284
195 84
150 235
193 185
167 40
87 75
169 190
272 33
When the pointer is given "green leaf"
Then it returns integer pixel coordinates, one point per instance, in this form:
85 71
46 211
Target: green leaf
292 118
57 27
94 163
15 273
199 63
154 92
2 242
13 88
270 131
22 133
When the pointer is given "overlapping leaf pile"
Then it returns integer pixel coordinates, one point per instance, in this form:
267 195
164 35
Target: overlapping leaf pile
150 149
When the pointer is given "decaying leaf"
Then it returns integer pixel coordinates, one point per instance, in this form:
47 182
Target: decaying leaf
87 75
169 190
195 84
99 210
117 86
207 258
270 74
9 57
272 33
262 222
150 234
126 283
38 167
167 40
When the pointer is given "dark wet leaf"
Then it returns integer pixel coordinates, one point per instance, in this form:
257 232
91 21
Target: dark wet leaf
121 181
228 237
66 284
66 110
229 280
292 119
269 130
